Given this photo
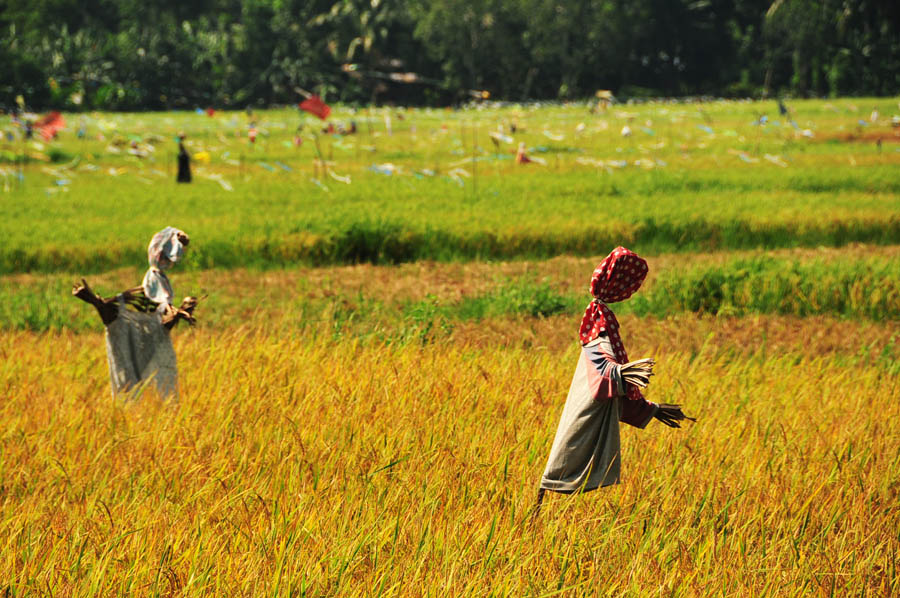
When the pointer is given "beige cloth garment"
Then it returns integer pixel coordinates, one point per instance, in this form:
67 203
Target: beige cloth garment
140 351
585 454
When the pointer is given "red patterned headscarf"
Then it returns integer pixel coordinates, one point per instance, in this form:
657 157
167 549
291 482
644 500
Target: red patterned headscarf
615 279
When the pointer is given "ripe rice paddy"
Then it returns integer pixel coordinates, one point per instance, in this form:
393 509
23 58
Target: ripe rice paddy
369 397
297 466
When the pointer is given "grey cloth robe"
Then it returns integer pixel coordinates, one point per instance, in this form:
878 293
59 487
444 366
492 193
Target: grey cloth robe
139 350
586 454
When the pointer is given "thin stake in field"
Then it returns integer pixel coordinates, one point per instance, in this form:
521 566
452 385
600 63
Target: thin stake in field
475 158
321 158
21 178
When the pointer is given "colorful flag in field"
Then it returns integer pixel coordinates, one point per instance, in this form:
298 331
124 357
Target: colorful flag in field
49 125
521 156
403 77
314 105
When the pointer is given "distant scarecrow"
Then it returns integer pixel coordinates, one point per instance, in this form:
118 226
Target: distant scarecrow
138 322
184 162
605 389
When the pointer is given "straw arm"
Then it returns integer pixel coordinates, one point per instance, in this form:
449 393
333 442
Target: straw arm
638 372
671 415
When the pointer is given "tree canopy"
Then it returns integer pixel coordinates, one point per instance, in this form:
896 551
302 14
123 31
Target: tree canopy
129 54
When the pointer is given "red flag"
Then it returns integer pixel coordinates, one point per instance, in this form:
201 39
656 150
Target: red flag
314 105
49 125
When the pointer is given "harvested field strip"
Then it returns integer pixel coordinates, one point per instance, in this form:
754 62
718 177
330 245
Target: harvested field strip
433 454
747 337
859 282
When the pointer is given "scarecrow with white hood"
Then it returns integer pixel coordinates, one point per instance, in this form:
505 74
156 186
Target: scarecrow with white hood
138 321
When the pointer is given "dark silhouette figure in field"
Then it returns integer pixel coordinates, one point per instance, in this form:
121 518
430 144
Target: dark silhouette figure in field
782 109
184 162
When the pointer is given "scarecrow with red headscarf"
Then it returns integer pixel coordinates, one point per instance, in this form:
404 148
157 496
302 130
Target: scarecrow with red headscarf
605 389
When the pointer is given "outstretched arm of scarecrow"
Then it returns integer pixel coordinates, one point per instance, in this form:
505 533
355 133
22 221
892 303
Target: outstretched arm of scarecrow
638 373
615 379
184 312
108 308
671 415
635 410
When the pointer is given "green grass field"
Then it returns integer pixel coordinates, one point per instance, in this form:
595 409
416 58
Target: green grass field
670 187
370 394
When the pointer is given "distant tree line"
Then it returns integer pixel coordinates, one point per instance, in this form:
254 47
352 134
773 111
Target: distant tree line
130 54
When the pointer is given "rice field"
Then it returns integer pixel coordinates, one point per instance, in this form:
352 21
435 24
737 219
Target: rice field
294 466
690 177
369 397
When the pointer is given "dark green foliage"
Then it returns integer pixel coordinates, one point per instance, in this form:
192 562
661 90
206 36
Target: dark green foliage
57 155
391 243
129 55
520 298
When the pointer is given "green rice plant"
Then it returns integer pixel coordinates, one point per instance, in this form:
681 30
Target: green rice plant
519 298
679 189
850 288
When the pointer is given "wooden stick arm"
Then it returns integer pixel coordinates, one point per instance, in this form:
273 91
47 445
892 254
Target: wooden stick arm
184 312
108 309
